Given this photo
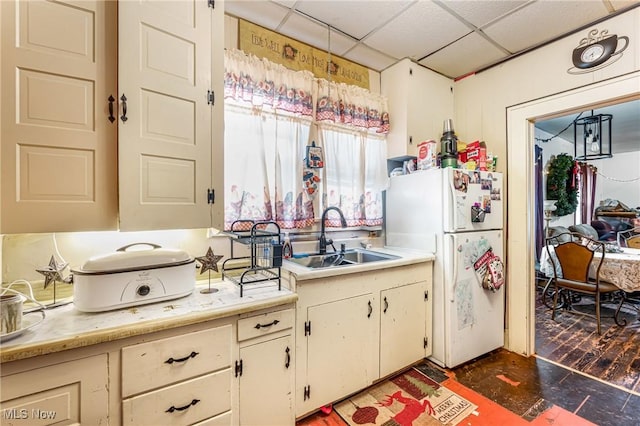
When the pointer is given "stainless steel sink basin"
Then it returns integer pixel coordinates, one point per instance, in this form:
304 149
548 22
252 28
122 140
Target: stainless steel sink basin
349 257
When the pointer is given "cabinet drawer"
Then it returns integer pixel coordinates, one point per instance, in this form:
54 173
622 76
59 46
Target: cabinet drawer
259 325
182 404
154 364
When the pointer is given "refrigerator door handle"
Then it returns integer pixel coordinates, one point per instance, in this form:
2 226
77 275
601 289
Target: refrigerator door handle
454 255
453 205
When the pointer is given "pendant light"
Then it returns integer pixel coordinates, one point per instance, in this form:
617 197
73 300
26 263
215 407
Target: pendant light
592 137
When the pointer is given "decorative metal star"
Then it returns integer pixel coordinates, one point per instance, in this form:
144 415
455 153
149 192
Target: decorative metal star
209 262
52 272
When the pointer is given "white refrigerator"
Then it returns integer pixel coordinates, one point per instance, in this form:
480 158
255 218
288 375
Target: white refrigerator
457 215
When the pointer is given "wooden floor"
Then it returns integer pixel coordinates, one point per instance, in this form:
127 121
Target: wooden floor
572 340
510 389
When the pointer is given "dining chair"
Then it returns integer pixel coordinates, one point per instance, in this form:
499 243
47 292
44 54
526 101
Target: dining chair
629 238
576 268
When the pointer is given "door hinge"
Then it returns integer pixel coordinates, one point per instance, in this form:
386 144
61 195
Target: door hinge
210 97
212 4
426 342
307 393
307 328
426 295
238 368
211 196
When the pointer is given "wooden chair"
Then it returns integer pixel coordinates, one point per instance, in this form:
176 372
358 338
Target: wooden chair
629 238
575 268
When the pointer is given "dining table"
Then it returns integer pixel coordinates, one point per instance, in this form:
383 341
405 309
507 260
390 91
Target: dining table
621 268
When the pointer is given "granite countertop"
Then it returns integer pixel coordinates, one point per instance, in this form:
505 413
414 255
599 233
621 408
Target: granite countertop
65 327
405 257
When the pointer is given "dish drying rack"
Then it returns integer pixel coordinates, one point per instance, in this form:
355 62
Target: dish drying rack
265 254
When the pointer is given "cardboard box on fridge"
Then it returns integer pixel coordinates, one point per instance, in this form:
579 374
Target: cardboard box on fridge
477 151
427 155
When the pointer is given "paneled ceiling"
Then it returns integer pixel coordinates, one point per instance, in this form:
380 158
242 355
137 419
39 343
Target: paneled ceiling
453 38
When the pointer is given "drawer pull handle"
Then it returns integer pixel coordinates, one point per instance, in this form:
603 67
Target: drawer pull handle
386 305
172 360
288 362
174 408
370 309
259 326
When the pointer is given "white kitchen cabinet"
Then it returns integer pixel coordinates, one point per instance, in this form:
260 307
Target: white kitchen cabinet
265 370
58 149
346 340
341 349
70 393
419 102
178 380
111 115
170 131
403 334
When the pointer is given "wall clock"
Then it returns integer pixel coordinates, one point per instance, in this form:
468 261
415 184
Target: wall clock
596 49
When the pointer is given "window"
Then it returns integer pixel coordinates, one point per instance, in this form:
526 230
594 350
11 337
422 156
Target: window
268 126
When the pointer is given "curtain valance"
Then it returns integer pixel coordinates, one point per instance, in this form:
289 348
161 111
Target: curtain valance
260 83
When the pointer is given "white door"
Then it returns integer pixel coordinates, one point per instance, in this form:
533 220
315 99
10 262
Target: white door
474 317
402 326
59 149
473 200
165 137
266 383
341 349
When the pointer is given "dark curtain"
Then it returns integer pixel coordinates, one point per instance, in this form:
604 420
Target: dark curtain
539 201
587 189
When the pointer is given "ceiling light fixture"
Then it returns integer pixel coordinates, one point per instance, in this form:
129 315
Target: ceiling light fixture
592 137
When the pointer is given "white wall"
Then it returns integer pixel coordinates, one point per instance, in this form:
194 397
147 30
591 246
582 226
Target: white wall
515 89
550 149
619 178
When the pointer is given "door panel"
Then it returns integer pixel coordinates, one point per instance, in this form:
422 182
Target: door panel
165 151
59 150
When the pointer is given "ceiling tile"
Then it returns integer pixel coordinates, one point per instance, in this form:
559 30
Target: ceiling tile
621 4
310 32
552 18
287 3
341 14
369 58
480 13
421 29
263 13
469 53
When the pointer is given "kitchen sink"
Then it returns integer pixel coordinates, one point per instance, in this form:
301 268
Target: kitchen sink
349 257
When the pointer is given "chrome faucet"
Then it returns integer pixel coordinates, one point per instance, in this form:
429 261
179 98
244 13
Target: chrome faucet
323 239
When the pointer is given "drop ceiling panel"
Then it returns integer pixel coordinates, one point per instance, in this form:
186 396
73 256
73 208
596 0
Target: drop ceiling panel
368 57
470 52
310 32
355 18
552 18
419 30
480 13
260 12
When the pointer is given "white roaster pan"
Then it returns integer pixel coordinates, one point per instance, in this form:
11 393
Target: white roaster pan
130 277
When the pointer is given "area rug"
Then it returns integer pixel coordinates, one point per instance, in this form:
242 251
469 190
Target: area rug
409 399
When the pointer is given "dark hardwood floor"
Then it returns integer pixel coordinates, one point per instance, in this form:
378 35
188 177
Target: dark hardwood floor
572 341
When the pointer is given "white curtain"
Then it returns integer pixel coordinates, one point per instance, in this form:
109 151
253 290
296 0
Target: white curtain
355 174
268 114
268 122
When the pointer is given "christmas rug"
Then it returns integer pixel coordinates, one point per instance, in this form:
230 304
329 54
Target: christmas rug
409 399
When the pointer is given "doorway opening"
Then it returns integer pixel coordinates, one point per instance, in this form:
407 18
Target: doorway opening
521 253
604 208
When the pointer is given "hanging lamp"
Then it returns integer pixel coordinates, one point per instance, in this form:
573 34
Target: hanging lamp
592 137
